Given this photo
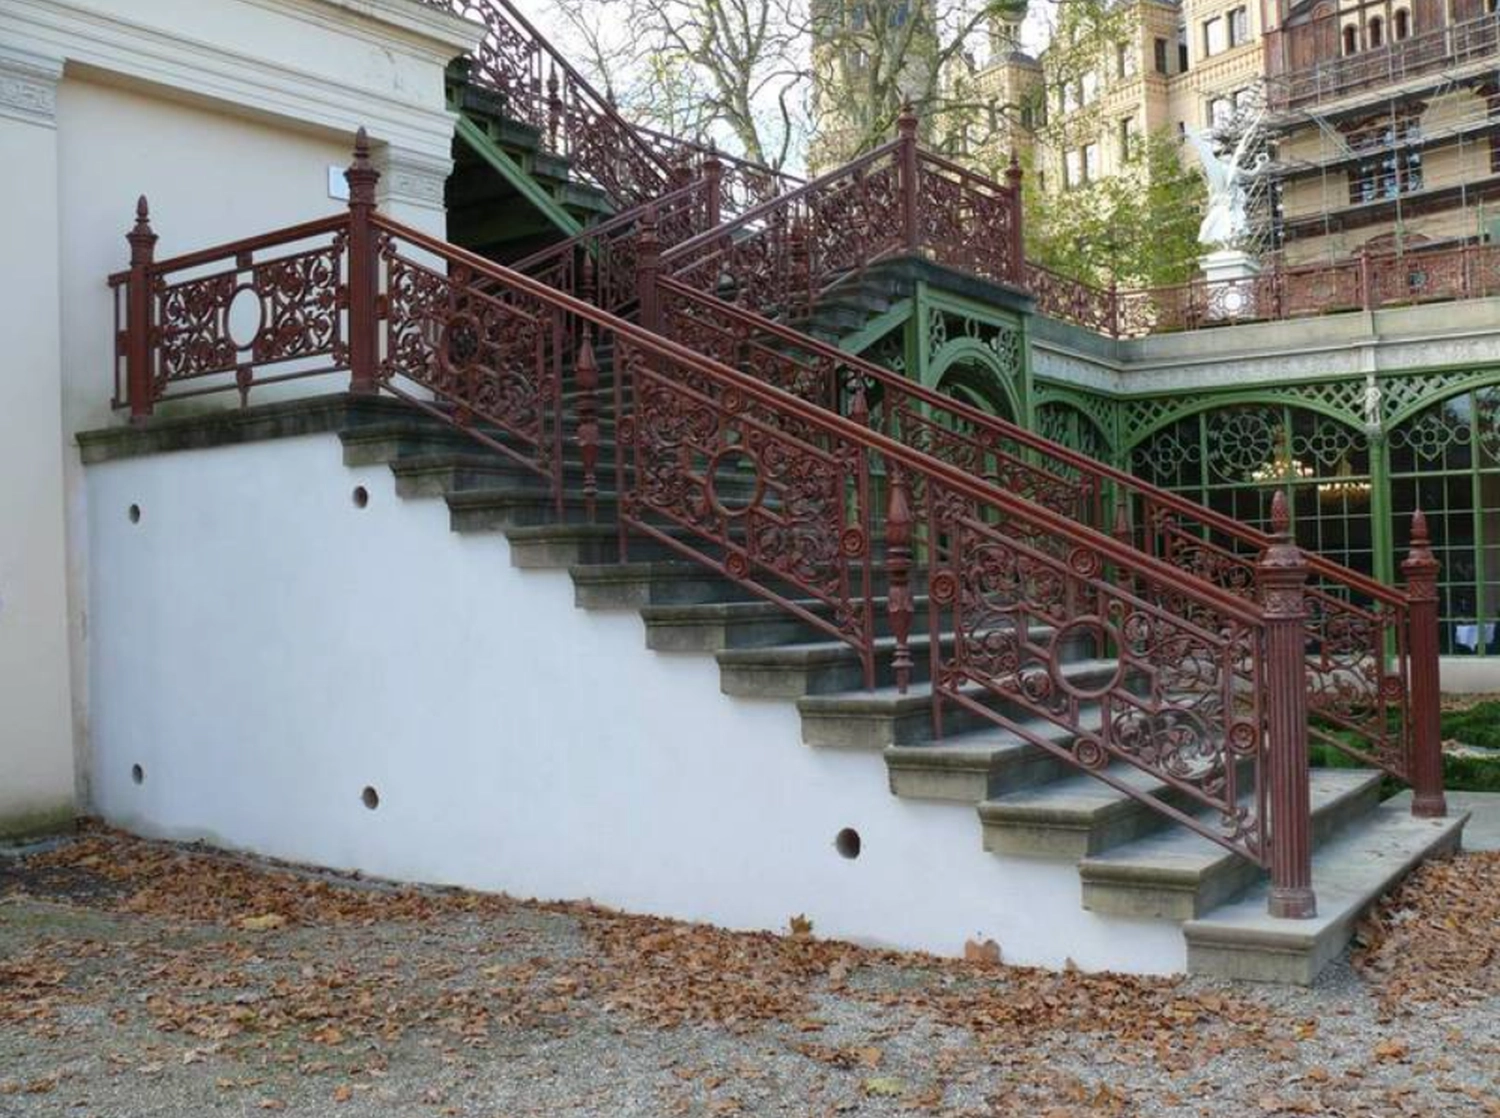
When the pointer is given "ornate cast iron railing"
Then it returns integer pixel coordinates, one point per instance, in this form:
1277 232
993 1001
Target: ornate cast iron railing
543 90
1362 635
793 501
1365 282
777 258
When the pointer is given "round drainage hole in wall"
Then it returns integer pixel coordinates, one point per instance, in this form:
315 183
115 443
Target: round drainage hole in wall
846 842
134 513
137 774
370 798
361 496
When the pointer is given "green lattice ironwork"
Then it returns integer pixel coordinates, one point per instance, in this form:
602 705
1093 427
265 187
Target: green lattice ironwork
1063 422
1235 458
1445 459
1005 341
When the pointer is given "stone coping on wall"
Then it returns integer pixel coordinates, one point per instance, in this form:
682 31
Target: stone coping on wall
203 429
1355 343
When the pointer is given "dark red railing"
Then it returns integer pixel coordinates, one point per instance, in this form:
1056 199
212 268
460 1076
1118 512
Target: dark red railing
896 200
794 501
541 88
1361 633
1368 281
768 263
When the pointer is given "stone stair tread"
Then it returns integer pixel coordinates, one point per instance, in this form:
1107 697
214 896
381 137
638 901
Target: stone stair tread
481 496
1074 797
1184 854
918 695
811 650
746 610
1241 940
976 745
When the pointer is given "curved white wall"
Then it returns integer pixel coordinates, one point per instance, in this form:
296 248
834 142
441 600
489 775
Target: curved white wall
264 650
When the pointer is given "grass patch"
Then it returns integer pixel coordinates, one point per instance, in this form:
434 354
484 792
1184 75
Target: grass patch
1477 725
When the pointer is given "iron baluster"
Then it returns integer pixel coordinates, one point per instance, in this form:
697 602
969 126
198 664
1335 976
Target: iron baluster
1426 764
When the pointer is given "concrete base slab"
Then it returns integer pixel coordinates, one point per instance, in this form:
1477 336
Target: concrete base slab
1482 832
1349 875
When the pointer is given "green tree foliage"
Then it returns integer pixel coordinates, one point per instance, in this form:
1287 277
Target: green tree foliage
1138 228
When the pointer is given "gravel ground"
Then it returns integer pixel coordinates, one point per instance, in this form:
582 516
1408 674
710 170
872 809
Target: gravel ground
143 979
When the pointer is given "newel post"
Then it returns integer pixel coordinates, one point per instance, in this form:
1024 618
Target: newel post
713 180
1281 576
1013 176
364 275
138 330
899 602
1421 571
906 136
647 268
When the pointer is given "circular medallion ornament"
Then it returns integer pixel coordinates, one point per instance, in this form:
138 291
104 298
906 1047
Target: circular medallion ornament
1099 636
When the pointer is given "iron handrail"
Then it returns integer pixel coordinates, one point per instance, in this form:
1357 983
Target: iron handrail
1145 566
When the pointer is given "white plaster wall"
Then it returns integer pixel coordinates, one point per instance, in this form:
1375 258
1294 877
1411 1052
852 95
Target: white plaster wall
227 114
264 650
36 755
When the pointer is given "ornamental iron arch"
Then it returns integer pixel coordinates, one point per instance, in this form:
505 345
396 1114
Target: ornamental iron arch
970 374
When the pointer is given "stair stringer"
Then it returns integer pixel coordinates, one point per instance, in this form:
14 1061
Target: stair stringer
265 649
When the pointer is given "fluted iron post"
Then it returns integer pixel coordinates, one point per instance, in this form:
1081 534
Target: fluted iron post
1421 571
906 134
713 179
647 269
899 602
554 110
364 276
1013 176
587 371
1281 576
138 326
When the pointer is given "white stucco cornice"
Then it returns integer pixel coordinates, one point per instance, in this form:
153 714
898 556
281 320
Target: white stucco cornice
386 75
28 87
444 35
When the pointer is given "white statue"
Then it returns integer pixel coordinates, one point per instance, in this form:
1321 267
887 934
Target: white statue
1372 403
1226 222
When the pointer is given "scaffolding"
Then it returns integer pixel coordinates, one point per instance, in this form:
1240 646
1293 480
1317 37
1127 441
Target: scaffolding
1438 94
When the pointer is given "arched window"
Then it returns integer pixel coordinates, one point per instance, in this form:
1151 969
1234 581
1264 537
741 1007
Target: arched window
1234 458
1351 39
1445 460
1377 32
1403 23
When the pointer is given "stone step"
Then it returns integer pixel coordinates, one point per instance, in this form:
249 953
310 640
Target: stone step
1242 941
791 671
378 444
971 767
713 626
1077 816
637 584
549 546
500 509
1178 875
877 719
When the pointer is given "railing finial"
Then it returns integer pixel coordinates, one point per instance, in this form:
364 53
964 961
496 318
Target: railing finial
1420 541
142 238
906 123
1281 514
361 174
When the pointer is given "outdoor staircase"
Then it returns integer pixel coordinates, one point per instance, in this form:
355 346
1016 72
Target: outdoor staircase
1129 860
479 337
508 195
